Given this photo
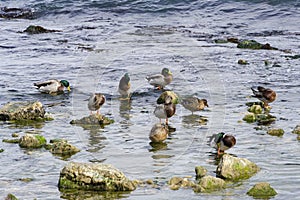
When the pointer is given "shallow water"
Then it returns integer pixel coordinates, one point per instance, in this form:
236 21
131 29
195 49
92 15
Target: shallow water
99 42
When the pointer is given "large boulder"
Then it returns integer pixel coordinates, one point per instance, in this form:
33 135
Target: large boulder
94 176
209 184
234 169
23 111
262 190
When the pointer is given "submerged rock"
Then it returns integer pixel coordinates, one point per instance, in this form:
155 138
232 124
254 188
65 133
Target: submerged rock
256 113
296 130
161 98
38 30
256 109
200 172
252 44
177 182
32 141
11 197
209 184
16 13
276 132
12 141
63 148
234 169
250 117
93 120
1 150
23 111
91 176
262 190
243 62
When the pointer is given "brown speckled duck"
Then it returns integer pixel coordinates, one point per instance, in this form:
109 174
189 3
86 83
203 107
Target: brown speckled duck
95 101
166 110
194 104
266 95
158 133
222 142
124 87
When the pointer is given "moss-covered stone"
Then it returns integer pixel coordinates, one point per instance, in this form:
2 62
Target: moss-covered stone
262 190
276 132
235 169
243 62
12 141
209 184
1 150
91 176
63 149
11 197
161 98
200 172
252 44
15 135
38 30
92 120
176 183
265 119
256 109
250 117
296 130
32 141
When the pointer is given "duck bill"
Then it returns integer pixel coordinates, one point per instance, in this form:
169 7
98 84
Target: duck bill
69 89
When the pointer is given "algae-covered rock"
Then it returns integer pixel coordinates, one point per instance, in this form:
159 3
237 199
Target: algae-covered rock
12 141
96 119
1 150
94 176
276 132
243 62
11 197
262 190
250 117
38 30
209 184
296 130
265 119
200 171
234 169
252 44
23 111
177 182
161 98
63 148
16 13
32 141
256 109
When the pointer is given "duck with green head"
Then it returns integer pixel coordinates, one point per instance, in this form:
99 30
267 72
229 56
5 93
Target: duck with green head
194 104
124 86
222 142
95 102
52 86
166 110
159 81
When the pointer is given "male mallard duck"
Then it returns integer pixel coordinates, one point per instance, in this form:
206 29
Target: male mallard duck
158 133
194 104
52 86
160 80
124 86
166 110
96 100
222 142
264 95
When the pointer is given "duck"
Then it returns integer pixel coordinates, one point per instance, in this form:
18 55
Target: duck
52 86
95 102
166 110
222 142
158 133
194 104
159 81
266 95
124 86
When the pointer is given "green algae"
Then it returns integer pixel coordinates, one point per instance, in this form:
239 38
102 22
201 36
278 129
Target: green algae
262 190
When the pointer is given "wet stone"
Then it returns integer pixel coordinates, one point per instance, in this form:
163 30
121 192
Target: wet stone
296 130
38 30
276 132
32 141
93 120
209 184
262 190
200 172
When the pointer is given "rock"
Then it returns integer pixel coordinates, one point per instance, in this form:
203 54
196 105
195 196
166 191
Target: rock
276 132
91 176
298 137
11 197
158 133
161 98
12 141
16 13
262 190
38 30
296 130
177 182
15 135
63 148
93 120
265 119
32 141
209 184
200 172
234 169
256 109
252 44
1 150
250 117
242 62
23 111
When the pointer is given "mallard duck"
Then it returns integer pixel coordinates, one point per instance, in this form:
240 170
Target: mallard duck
95 101
194 104
161 80
162 98
222 142
124 86
158 133
166 110
265 95
52 86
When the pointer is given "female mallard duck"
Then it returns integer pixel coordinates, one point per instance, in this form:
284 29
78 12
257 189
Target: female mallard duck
161 80
222 142
166 110
124 86
52 86
96 100
194 104
265 95
158 133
